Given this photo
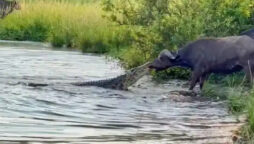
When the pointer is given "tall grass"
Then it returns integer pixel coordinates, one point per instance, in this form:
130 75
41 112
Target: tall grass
70 1
248 129
63 23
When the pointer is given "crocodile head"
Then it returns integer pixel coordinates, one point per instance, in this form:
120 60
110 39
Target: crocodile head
133 75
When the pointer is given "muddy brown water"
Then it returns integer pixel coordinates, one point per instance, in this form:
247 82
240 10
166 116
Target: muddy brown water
62 113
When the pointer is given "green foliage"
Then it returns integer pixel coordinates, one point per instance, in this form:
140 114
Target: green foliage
64 23
236 96
227 17
179 73
12 28
213 91
248 129
232 80
251 112
237 99
36 31
141 48
137 31
177 22
61 1
240 100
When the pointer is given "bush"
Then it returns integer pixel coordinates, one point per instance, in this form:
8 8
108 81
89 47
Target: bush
248 129
137 31
177 22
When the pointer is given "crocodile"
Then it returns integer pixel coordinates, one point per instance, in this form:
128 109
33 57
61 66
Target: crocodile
121 82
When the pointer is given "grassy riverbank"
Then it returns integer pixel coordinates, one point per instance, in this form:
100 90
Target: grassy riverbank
132 31
76 24
240 100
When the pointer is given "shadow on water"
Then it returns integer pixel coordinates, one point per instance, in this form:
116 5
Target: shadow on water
64 113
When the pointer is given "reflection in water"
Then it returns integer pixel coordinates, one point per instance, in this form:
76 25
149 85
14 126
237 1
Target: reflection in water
64 113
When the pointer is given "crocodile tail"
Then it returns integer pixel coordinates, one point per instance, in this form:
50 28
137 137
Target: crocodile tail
89 83
99 83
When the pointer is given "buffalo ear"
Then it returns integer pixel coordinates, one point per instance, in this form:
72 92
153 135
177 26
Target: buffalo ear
171 55
167 53
176 56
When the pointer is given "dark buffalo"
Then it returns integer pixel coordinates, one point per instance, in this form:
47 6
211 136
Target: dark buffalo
249 33
214 55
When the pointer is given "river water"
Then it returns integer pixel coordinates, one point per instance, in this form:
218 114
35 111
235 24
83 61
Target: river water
63 113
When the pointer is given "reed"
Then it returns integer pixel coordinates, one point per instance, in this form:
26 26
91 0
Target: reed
74 24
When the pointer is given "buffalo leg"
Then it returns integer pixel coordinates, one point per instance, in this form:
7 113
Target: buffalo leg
194 78
249 74
202 79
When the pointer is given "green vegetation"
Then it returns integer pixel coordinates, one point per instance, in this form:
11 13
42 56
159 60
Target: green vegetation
170 24
133 31
239 98
248 129
71 24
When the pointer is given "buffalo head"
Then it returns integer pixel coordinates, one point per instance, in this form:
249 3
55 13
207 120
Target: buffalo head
166 59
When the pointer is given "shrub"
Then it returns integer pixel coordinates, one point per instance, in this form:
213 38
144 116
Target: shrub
177 22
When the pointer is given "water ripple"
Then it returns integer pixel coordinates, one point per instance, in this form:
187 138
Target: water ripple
62 113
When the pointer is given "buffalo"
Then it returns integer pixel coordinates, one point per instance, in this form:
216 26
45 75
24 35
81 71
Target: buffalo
211 55
249 33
